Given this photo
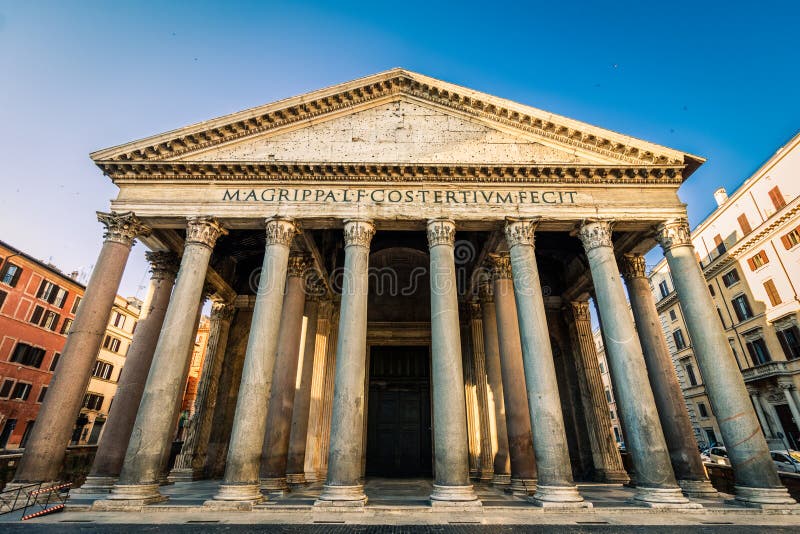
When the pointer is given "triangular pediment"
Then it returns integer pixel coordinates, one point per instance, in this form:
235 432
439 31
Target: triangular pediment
396 117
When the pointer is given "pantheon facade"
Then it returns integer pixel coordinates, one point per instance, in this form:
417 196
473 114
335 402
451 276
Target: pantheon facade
402 274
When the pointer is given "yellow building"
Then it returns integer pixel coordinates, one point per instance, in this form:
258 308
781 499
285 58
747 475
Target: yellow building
749 250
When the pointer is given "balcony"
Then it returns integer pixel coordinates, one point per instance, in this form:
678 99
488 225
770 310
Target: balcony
765 370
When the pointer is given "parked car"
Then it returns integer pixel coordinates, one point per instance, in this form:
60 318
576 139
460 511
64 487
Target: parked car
704 456
719 455
786 460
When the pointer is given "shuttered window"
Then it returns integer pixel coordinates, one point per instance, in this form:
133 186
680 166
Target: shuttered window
758 260
791 239
719 244
776 197
744 224
772 292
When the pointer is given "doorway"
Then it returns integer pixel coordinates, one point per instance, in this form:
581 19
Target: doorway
399 412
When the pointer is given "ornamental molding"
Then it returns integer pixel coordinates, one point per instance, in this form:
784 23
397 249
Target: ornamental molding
123 227
358 233
298 265
475 313
441 232
633 266
280 231
163 264
594 234
501 266
486 292
520 232
580 310
204 231
222 311
390 86
673 233
261 171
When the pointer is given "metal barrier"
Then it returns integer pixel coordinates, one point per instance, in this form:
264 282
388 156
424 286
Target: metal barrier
48 499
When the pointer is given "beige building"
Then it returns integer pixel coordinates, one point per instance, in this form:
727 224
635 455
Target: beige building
749 250
608 389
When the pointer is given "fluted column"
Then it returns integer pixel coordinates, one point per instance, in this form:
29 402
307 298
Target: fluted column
240 483
295 464
684 455
153 430
46 446
451 456
502 461
607 460
487 430
343 484
314 455
284 378
757 481
555 487
655 482
110 454
189 465
786 388
518 419
754 396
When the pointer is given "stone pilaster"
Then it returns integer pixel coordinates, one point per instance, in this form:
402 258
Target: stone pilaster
757 482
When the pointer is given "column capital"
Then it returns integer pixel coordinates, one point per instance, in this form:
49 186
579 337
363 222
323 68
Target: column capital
673 233
520 232
204 230
501 266
633 266
475 309
298 265
315 290
222 311
485 291
784 384
753 391
122 227
280 231
163 263
595 234
580 310
358 232
441 232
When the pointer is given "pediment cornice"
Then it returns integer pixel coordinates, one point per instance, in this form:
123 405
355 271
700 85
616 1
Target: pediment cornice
388 86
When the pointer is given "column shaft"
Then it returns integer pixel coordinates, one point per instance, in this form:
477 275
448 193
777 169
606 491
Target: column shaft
314 456
479 361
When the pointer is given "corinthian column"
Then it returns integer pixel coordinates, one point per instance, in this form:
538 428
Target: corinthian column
450 441
518 419
117 431
655 482
343 484
757 482
247 437
555 487
502 461
607 461
284 378
190 463
683 452
153 430
46 445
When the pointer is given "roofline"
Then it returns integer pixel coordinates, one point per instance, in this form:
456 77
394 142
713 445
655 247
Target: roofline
40 263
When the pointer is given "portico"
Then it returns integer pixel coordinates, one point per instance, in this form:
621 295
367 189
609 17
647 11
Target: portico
444 243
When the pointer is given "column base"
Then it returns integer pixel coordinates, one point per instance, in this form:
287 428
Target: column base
558 497
242 493
698 488
274 486
134 495
163 480
608 476
296 479
764 498
96 484
663 498
500 480
485 475
184 475
454 496
312 476
342 497
522 487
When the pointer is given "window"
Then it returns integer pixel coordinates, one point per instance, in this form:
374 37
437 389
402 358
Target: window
711 290
47 291
744 224
664 288
102 370
10 274
75 304
759 260
710 435
608 396
791 239
93 401
3 296
719 244
742 308
111 343
66 325
758 351
25 434
790 342
602 368
772 292
36 316
21 391
702 409
776 197
119 320
61 297
42 393
730 278
673 316
27 355
53 364
690 374
612 414
5 389
50 320
616 435
721 319
680 342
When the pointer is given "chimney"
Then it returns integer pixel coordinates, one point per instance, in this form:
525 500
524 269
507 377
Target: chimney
720 195
74 275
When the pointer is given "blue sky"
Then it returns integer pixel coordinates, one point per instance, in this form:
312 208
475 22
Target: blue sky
715 79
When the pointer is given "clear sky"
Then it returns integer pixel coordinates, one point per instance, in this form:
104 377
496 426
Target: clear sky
720 80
